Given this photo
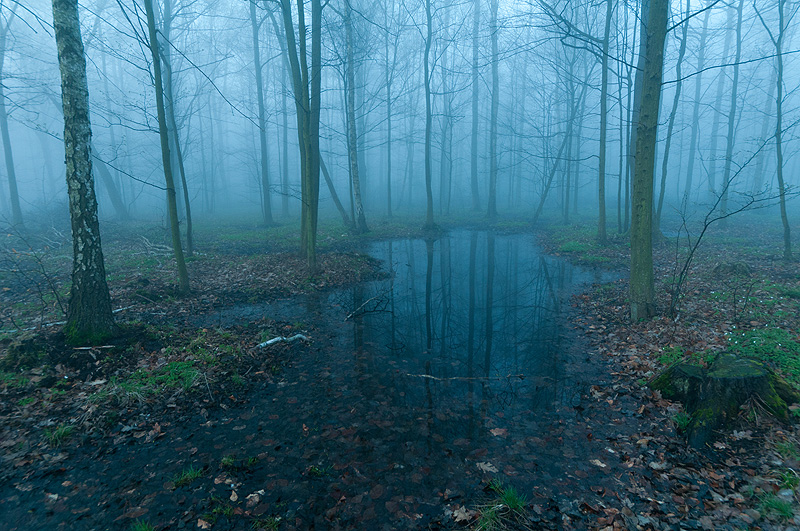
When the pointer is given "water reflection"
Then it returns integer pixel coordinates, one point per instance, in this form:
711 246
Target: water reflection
470 320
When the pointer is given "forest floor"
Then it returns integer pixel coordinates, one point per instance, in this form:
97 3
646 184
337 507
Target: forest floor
184 421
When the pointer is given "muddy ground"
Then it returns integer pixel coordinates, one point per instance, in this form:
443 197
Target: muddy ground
183 421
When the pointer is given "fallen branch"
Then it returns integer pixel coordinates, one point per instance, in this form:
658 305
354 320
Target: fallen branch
467 378
283 339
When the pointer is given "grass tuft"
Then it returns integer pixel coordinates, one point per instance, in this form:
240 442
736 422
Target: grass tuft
187 476
58 436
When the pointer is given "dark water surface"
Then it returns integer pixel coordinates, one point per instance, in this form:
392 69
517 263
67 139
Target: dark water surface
413 393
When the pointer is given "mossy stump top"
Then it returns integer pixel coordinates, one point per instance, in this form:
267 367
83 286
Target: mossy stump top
714 396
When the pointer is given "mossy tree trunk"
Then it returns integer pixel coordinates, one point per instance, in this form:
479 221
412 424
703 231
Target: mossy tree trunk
642 290
89 317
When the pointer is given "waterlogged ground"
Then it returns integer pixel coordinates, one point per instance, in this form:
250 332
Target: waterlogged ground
470 370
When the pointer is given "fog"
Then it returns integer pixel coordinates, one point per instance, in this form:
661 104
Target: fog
548 108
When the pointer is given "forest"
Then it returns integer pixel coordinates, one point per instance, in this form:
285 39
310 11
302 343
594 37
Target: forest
399 264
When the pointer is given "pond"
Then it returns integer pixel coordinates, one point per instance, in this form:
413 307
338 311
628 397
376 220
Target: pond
462 366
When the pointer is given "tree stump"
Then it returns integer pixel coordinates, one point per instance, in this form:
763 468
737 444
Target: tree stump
714 396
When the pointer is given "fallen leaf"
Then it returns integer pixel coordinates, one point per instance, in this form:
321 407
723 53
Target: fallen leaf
597 462
498 432
202 524
234 496
462 514
487 467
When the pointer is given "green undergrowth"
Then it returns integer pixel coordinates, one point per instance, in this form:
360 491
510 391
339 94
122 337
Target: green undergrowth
143 383
776 346
672 355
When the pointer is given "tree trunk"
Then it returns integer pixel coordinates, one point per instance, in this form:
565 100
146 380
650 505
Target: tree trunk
696 111
306 86
642 290
334 195
429 224
758 172
731 138
388 81
491 211
172 124
601 176
89 317
172 204
473 157
266 197
675 103
16 210
787 234
360 220
712 168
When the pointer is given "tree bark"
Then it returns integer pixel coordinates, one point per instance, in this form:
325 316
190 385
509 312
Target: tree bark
712 167
429 224
731 138
334 195
172 203
491 211
89 317
670 127
266 196
13 191
388 80
473 157
782 26
601 175
696 111
642 290
306 85
360 219
172 124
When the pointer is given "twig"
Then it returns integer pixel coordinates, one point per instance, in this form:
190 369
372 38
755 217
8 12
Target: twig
354 312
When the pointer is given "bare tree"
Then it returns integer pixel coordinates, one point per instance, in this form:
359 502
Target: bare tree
266 197
306 85
5 23
172 204
786 12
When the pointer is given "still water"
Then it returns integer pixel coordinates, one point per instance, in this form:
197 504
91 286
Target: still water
469 317
460 367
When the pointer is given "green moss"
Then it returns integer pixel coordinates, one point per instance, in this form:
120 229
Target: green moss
77 338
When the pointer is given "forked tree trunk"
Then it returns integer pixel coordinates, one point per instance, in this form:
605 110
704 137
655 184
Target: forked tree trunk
172 203
172 124
306 85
